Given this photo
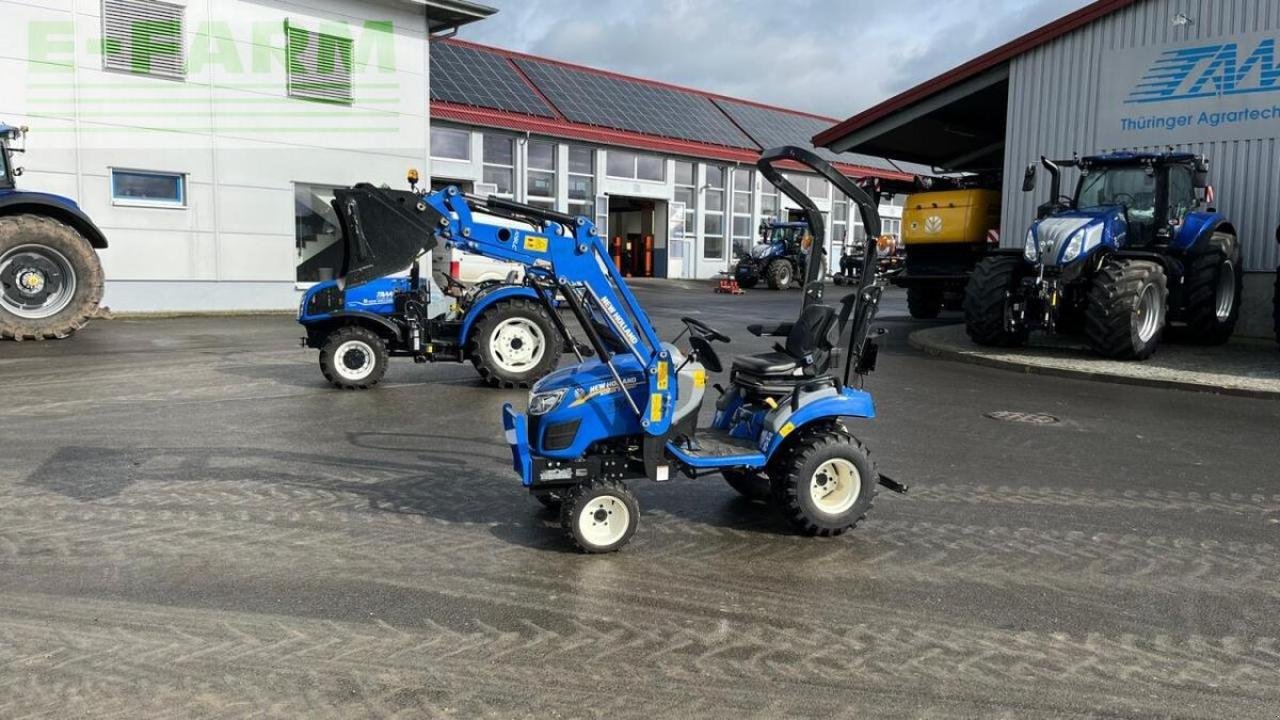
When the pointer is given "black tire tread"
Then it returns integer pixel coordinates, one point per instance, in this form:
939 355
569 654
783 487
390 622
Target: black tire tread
576 495
984 302
484 327
924 303
775 272
795 454
17 230
1200 300
353 332
1109 314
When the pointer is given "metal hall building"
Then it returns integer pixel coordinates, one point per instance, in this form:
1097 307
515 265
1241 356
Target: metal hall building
1197 75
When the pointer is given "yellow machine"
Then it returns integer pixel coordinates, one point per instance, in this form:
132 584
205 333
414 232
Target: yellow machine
944 234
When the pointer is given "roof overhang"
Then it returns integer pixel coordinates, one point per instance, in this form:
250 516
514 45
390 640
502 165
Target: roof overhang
447 15
955 121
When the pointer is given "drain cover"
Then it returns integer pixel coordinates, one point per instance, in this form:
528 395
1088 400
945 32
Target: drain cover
1027 418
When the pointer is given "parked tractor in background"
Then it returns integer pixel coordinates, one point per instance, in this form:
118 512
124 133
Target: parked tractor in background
946 231
50 275
779 258
1130 254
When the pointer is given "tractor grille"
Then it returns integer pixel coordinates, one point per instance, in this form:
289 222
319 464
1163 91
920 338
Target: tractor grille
560 435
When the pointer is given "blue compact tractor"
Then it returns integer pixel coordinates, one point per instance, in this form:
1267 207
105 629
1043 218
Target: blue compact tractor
1133 254
50 276
778 259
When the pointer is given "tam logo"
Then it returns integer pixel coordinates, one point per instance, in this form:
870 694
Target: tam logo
1209 71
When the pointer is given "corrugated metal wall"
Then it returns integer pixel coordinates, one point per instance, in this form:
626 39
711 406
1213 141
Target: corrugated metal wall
1053 97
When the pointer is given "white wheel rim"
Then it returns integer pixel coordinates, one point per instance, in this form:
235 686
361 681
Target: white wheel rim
1149 312
354 360
603 521
517 344
1226 291
30 278
835 486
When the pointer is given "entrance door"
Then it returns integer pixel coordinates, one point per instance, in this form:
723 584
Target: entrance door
632 235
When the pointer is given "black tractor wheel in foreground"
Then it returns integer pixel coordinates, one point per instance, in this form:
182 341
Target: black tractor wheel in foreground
924 303
514 343
1214 286
987 302
1126 312
50 279
750 484
779 275
354 358
825 482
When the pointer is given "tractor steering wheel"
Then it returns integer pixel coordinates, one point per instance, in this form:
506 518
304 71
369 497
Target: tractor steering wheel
698 327
1132 200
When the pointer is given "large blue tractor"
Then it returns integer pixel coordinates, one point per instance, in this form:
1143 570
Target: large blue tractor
1133 253
50 277
778 259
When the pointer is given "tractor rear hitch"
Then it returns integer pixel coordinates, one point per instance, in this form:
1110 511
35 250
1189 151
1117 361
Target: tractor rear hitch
893 485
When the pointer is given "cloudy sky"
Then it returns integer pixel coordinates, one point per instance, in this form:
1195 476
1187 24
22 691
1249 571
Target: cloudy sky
832 57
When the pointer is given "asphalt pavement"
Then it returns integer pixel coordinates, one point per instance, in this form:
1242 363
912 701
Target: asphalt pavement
192 524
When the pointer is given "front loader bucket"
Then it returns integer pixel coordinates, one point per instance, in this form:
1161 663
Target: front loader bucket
384 231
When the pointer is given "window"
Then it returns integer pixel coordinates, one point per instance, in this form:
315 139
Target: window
541 190
319 65
582 181
839 226
633 166
318 237
743 180
143 37
499 163
687 193
156 189
769 201
713 218
450 143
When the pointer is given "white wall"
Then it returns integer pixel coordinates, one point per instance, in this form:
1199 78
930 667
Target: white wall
229 126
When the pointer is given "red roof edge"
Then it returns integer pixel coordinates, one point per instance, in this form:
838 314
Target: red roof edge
980 64
511 54
590 133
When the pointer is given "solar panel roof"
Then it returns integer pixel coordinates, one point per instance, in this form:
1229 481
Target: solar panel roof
470 76
771 128
606 101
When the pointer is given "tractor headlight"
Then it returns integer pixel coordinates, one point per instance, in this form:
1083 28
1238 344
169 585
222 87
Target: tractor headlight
544 402
1082 242
1029 250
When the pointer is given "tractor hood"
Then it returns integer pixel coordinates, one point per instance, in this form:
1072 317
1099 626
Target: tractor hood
384 231
764 250
1073 235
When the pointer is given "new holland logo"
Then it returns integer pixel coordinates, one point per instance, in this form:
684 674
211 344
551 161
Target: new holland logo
933 224
1209 71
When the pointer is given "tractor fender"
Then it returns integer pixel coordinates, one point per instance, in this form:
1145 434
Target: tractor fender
53 206
488 299
822 405
1171 265
1197 229
374 321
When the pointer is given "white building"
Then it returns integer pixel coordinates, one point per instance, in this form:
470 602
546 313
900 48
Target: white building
657 166
198 133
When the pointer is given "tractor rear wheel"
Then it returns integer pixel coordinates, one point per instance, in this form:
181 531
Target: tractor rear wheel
50 279
779 275
924 303
824 481
750 484
987 302
1214 285
354 358
514 343
1126 310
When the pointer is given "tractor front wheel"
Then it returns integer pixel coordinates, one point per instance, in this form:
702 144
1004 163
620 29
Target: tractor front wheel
600 516
1126 312
50 279
779 274
746 283
824 482
1214 285
988 303
353 358
514 343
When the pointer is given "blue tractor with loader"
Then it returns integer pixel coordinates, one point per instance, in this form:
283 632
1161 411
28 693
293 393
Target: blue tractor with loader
630 410
50 275
1134 254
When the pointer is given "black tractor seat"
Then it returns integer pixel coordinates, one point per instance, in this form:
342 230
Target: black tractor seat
804 358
